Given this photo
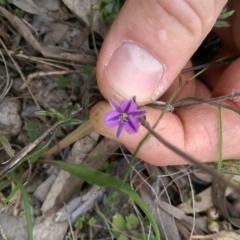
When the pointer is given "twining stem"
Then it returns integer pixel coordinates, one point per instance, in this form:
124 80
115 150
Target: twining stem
211 64
229 96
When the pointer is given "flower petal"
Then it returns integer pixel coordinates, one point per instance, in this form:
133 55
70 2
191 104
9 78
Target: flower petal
111 118
119 129
128 106
138 113
125 116
132 125
115 105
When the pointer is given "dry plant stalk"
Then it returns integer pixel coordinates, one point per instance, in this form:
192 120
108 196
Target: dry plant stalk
14 161
41 74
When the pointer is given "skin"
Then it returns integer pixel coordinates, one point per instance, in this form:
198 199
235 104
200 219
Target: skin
168 35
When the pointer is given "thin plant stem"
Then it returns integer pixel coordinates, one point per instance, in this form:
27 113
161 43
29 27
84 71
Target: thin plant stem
187 157
221 61
27 208
20 73
229 96
220 139
225 60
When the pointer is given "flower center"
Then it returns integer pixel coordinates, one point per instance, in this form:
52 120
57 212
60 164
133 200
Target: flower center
123 117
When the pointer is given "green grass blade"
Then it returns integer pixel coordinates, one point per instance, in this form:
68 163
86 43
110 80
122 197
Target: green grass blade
6 145
99 178
27 206
105 221
219 165
11 195
38 151
4 184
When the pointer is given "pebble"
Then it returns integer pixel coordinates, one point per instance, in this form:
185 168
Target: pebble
10 120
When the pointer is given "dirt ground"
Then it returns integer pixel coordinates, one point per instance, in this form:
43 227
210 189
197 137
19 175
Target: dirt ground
48 52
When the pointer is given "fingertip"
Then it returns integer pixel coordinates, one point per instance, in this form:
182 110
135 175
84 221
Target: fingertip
97 115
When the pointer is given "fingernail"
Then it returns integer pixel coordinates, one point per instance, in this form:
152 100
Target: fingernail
133 71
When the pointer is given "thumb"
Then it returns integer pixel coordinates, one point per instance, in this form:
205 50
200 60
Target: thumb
149 43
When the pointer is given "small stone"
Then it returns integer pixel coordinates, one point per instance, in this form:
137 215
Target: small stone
213 226
37 211
10 120
213 213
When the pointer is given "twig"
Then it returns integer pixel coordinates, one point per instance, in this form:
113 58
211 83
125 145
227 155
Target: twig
3 235
13 162
45 61
70 224
8 80
30 26
193 205
92 32
40 74
20 72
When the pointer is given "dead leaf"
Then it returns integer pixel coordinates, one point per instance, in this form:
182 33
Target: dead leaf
53 5
28 6
165 221
43 189
200 223
80 38
203 176
63 187
219 201
83 9
50 51
56 33
80 205
203 205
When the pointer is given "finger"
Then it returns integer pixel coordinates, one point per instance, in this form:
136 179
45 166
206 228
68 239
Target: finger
229 81
149 43
193 130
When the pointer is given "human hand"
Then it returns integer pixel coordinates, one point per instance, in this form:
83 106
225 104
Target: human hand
149 43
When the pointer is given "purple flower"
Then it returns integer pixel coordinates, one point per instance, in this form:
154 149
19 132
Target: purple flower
124 116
